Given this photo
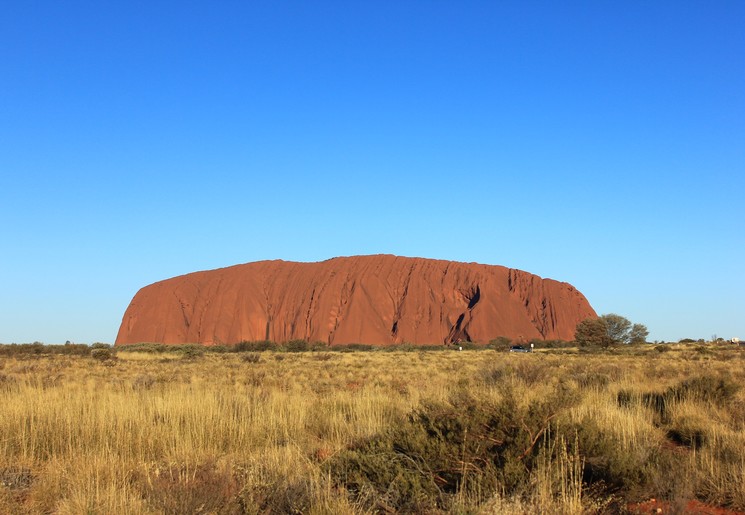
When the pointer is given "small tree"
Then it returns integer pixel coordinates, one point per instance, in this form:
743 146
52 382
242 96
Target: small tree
592 332
296 346
499 343
610 329
618 327
638 334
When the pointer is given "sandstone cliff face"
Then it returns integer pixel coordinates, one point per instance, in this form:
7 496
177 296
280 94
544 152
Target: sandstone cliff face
380 300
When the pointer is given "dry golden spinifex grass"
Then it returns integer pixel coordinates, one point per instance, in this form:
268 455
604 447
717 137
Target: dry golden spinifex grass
293 432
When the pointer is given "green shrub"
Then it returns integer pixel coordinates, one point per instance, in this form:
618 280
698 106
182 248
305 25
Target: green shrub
466 445
707 388
102 354
73 349
191 351
318 345
612 468
593 350
38 349
552 344
296 346
258 346
462 345
384 478
499 343
151 348
353 347
719 390
404 347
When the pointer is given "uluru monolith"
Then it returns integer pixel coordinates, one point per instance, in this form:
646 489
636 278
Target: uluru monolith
379 300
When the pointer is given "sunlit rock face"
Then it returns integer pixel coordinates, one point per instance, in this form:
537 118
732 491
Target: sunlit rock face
379 300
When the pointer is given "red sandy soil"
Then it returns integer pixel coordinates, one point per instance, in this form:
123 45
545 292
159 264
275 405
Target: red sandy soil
691 508
380 300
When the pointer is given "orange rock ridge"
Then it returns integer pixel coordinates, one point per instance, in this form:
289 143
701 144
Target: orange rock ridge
380 300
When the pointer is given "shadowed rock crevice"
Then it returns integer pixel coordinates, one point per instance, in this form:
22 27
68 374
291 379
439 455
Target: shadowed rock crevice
475 297
459 331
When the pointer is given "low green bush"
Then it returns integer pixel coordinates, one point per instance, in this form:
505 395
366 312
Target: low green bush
318 346
257 346
102 354
38 348
151 348
403 347
719 390
499 343
353 347
464 446
708 388
296 346
552 344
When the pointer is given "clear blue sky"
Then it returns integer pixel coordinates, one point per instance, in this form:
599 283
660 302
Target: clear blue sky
598 143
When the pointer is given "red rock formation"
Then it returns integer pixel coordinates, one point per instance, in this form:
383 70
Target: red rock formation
364 299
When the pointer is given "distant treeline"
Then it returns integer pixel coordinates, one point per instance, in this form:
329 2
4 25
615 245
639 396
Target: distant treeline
104 350
79 349
68 349
501 343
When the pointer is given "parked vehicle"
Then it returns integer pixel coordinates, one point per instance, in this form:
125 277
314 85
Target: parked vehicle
518 348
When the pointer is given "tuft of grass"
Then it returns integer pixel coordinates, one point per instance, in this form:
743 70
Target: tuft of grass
251 357
173 488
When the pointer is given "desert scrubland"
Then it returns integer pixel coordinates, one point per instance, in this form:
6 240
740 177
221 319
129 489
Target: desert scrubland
556 431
